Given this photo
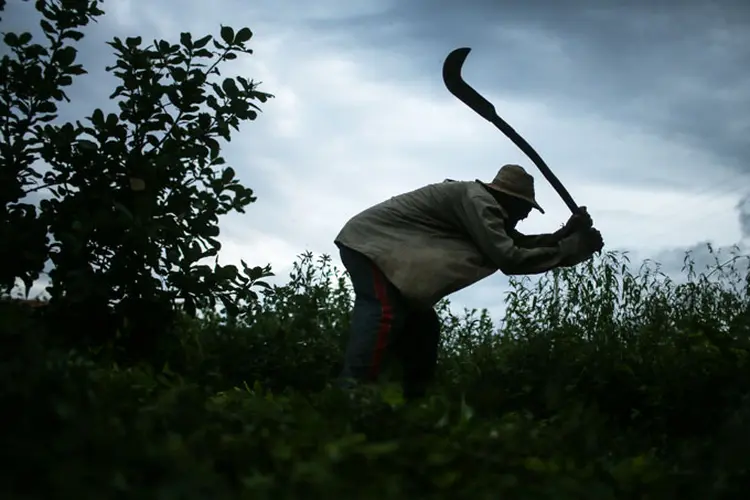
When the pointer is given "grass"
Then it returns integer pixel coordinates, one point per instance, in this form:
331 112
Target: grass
600 382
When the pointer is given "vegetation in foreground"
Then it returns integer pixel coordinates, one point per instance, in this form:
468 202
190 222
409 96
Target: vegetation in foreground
599 383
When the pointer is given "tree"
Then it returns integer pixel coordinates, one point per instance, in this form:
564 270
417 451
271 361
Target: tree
133 198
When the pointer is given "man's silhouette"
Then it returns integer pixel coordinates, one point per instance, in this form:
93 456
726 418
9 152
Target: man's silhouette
405 254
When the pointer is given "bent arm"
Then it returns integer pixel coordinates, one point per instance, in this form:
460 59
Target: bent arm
485 223
537 240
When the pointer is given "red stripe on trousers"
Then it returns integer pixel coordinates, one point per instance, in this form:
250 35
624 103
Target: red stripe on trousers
385 323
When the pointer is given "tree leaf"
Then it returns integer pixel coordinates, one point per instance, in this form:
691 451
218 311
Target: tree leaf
24 38
202 42
186 40
86 144
179 74
133 41
66 55
227 175
97 118
243 35
227 34
47 27
75 35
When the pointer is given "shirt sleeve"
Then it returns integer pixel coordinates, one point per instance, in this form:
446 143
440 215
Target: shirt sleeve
485 224
535 240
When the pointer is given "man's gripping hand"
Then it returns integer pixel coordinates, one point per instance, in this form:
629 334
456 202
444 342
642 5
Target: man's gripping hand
581 246
579 221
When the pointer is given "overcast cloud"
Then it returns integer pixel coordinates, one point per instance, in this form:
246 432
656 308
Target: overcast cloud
642 110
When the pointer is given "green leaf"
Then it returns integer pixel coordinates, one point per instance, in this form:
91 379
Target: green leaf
24 38
230 87
133 41
77 69
204 53
255 273
227 273
66 55
75 35
227 34
243 35
173 255
47 107
186 39
227 175
213 145
229 305
86 144
202 42
47 27
97 118
179 74
11 39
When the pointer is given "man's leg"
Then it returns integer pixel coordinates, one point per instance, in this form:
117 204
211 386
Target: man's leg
377 318
419 350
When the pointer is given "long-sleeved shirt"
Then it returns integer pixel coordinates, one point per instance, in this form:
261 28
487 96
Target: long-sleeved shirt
443 237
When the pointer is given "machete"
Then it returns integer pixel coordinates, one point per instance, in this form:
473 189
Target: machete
459 88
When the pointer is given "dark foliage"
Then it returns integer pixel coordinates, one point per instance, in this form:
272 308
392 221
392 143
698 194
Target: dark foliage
636 388
131 199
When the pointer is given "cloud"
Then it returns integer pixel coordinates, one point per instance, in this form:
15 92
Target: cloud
641 115
678 73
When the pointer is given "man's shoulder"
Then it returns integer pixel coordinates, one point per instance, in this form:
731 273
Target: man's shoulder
474 191
445 193
469 187
477 192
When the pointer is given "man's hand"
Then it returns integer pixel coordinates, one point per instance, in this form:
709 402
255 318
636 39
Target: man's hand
593 240
579 221
581 246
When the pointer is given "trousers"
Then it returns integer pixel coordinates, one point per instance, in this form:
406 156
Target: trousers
385 326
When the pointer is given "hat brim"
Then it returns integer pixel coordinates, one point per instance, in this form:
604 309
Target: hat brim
499 189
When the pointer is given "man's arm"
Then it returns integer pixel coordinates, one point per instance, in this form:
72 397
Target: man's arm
577 222
485 223
537 240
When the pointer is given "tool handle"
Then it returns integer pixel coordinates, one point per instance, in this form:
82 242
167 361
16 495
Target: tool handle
534 156
458 87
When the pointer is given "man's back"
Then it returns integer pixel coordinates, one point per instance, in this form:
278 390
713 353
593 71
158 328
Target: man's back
421 241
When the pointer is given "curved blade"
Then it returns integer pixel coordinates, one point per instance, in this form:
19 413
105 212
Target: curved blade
459 88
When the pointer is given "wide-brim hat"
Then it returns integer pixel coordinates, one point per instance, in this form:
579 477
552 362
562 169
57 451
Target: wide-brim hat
513 180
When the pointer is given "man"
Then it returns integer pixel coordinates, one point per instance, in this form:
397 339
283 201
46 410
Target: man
405 254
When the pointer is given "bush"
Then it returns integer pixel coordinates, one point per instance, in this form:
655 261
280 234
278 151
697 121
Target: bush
131 200
598 383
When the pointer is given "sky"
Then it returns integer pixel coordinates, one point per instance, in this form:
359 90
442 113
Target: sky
641 109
